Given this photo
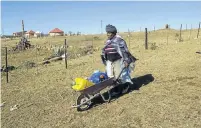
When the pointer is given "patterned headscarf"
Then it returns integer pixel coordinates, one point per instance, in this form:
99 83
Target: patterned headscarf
111 29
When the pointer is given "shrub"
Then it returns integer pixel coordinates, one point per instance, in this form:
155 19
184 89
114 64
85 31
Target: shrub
153 46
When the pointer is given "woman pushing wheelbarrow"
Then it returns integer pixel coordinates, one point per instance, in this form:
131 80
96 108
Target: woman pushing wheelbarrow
116 57
119 63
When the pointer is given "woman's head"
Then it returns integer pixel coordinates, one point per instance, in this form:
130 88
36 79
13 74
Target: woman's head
111 31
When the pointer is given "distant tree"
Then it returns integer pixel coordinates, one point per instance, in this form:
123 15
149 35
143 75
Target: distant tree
166 26
78 33
70 33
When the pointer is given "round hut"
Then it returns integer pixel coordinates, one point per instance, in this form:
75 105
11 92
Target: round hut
56 32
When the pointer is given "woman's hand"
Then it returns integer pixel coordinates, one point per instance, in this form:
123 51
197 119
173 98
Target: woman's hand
125 64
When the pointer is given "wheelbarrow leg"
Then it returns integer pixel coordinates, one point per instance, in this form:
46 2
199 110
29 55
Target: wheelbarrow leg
109 97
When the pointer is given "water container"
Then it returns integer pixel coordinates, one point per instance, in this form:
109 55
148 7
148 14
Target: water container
81 84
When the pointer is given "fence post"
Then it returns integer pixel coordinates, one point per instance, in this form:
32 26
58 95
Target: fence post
190 32
65 51
6 65
180 33
129 38
167 35
198 30
93 48
186 27
146 40
22 28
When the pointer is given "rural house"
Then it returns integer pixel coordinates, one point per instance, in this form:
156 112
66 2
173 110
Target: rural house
17 34
29 33
56 32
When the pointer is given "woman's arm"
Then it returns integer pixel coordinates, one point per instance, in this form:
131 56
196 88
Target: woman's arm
124 51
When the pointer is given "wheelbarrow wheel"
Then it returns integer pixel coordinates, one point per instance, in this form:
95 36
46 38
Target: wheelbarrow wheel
81 99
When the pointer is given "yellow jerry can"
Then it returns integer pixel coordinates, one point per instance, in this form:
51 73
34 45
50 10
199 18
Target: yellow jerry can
81 84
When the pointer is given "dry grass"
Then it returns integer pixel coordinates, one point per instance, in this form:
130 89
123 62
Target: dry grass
44 93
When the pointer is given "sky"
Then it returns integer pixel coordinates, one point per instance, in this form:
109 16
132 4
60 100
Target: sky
86 16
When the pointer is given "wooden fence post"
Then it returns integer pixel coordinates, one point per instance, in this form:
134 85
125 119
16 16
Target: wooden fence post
190 32
180 33
93 48
186 27
6 65
65 51
198 30
167 35
129 38
146 40
22 28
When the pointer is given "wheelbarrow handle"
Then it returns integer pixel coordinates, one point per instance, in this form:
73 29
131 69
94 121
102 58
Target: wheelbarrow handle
121 72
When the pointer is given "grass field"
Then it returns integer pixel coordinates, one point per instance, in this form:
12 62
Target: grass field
43 94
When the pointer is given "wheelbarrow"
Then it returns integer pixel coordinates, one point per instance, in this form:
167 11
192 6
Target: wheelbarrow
84 100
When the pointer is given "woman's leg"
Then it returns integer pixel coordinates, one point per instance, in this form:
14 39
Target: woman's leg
109 69
117 67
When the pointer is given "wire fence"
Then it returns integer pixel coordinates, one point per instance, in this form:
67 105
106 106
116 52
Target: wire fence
54 49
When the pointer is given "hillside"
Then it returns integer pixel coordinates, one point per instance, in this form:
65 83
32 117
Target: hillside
44 95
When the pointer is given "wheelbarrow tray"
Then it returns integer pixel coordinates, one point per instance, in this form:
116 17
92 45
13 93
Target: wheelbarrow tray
94 89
